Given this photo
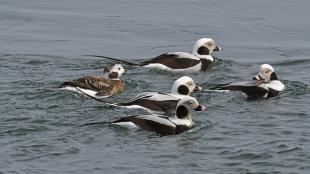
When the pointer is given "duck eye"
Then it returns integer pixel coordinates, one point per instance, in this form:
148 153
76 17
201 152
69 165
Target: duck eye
266 71
119 68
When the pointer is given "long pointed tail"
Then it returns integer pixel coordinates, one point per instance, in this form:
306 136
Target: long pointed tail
218 87
94 123
115 59
124 119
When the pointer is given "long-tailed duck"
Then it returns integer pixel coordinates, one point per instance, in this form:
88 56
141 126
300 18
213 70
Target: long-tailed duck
264 85
98 87
196 61
164 125
163 103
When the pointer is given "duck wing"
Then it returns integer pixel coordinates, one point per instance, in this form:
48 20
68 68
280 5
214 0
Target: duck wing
247 87
153 101
175 60
103 86
159 124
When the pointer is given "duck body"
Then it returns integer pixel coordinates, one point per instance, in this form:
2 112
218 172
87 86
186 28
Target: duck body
153 102
98 87
162 125
95 86
264 85
175 62
254 91
179 62
162 103
165 125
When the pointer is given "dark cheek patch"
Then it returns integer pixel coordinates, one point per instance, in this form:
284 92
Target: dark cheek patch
273 76
182 112
113 75
203 51
183 90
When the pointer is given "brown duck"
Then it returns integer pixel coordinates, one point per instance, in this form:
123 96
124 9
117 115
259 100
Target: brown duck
98 87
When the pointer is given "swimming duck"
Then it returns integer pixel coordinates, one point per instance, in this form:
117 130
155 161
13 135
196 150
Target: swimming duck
164 125
264 85
198 60
98 87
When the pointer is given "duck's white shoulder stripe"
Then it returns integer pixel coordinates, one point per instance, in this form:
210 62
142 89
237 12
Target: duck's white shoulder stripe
208 57
178 96
274 84
162 97
155 96
127 124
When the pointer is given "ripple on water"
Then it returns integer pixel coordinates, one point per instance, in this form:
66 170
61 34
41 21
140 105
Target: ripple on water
42 126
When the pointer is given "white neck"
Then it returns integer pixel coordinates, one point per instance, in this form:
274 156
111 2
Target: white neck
174 91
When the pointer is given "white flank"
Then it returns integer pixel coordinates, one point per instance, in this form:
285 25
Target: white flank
128 124
70 88
195 68
84 92
87 91
181 55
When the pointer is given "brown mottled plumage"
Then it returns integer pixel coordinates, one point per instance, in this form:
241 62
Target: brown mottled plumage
103 86
100 86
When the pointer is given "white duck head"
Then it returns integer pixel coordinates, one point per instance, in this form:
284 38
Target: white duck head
184 86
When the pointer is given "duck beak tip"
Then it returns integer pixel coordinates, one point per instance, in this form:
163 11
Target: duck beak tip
201 108
217 48
197 88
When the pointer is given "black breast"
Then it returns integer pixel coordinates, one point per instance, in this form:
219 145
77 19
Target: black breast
181 128
205 63
273 93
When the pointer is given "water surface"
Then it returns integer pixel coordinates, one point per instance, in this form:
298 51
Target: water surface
42 43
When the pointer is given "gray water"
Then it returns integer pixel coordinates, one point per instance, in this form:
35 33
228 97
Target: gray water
42 43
